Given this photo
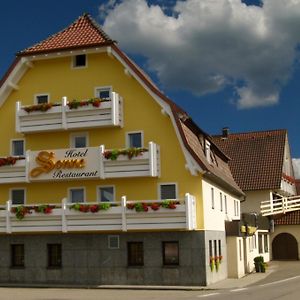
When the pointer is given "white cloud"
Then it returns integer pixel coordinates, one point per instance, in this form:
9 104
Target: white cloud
296 166
205 45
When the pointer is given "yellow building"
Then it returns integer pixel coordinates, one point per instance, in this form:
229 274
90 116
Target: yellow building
103 179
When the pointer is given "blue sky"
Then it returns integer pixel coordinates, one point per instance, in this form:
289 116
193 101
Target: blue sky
226 64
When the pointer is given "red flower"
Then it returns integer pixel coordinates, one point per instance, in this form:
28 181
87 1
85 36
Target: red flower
96 103
94 208
155 206
84 208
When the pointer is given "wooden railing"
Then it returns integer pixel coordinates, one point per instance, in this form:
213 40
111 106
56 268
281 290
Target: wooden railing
62 117
280 205
120 216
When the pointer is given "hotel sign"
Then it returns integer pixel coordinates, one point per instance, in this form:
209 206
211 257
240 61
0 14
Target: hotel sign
64 164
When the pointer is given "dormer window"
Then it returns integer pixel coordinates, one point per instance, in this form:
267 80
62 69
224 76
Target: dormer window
207 151
79 61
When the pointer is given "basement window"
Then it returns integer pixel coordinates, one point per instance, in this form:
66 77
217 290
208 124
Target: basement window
113 242
41 99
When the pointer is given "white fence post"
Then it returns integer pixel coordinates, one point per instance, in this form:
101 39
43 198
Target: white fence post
115 109
8 222
63 215
101 162
188 215
63 112
124 221
18 108
152 159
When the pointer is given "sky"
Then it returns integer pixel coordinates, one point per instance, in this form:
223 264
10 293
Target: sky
227 63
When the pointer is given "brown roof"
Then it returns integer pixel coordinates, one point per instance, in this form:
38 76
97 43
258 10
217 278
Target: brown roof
83 33
291 218
257 158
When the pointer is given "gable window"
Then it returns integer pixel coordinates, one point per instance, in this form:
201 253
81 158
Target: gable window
103 93
106 194
17 148
17 196
135 253
41 99
170 253
54 256
79 140
79 61
17 255
134 140
76 195
168 191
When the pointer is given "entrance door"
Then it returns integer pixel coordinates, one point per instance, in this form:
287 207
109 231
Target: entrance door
285 247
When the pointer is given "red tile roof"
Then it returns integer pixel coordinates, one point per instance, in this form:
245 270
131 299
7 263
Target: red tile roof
83 33
257 158
291 218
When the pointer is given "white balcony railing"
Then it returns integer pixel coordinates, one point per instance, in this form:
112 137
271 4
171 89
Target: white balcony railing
280 206
13 173
145 164
119 217
62 117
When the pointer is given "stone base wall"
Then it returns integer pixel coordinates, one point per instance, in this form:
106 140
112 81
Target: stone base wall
87 259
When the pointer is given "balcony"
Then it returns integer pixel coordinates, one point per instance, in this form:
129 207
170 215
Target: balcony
179 214
95 163
280 206
70 115
12 170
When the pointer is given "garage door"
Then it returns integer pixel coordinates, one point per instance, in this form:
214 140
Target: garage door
285 247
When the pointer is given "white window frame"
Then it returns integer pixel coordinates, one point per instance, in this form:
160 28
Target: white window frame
133 132
221 201
167 183
225 204
77 188
105 186
41 94
73 61
18 188
212 198
106 87
73 135
11 147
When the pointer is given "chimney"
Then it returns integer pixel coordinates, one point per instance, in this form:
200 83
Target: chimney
225 132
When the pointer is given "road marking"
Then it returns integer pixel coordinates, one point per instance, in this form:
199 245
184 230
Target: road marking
208 295
280 281
238 290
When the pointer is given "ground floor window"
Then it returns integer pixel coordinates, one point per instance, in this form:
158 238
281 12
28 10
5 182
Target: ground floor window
17 196
135 253
76 195
170 253
54 256
17 255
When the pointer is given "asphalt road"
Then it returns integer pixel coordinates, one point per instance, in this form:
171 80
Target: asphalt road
283 284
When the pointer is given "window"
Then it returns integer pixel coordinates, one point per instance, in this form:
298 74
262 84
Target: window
260 243
103 93
76 195
17 255
135 253
17 148
210 248
79 61
17 196
168 191
41 99
170 253
79 140
134 140
106 194
221 202
113 242
212 198
54 256
266 243
240 250
215 248
236 208
220 247
225 203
